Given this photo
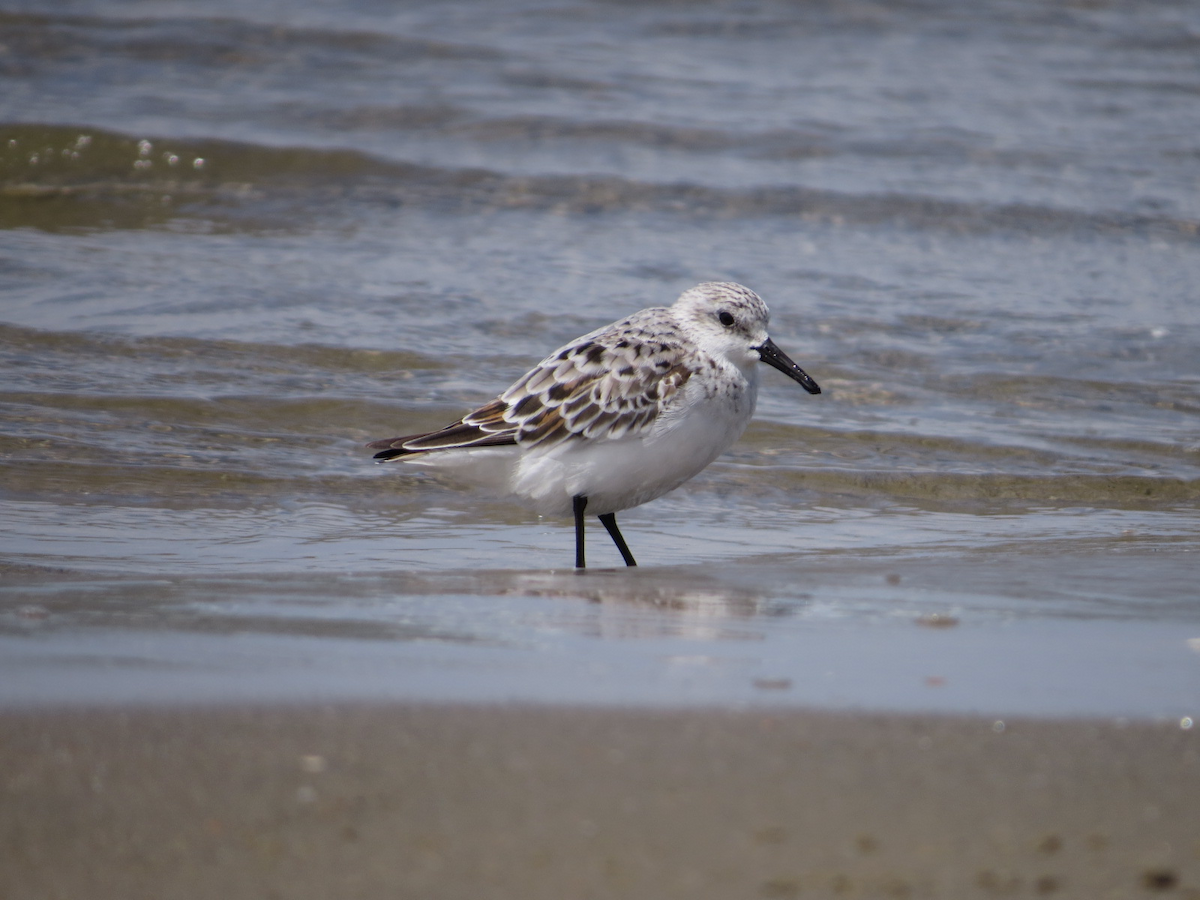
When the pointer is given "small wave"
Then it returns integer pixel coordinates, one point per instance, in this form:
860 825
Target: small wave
212 41
82 177
19 345
987 489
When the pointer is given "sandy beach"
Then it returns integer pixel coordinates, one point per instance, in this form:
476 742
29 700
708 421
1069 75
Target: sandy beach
498 802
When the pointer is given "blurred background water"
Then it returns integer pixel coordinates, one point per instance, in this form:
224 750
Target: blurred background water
239 240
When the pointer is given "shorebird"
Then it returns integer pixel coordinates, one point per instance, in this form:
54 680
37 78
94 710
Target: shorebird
620 416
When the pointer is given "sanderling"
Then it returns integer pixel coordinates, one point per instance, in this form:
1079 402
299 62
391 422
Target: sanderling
619 416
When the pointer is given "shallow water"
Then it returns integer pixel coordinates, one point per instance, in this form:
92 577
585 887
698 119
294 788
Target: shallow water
237 245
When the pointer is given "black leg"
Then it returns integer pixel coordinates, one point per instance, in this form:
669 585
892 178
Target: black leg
579 504
610 522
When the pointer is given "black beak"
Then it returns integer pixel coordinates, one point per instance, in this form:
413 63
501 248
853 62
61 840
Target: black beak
773 356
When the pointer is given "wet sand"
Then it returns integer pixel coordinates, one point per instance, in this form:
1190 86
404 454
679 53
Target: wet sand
499 802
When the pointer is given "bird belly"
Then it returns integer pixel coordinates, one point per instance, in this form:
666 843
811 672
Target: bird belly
623 473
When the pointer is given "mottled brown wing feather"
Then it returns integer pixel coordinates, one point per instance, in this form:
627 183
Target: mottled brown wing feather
604 386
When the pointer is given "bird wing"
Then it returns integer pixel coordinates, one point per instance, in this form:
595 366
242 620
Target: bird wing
607 385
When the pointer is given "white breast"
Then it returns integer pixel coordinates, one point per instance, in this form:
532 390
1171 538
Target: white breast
702 423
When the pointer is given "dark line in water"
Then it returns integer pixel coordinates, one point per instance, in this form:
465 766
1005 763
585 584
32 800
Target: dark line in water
256 178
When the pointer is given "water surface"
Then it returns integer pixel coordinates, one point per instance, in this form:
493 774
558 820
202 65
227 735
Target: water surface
237 243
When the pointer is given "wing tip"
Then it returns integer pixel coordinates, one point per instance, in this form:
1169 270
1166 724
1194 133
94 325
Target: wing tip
392 448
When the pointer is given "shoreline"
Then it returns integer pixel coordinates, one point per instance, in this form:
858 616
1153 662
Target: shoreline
365 800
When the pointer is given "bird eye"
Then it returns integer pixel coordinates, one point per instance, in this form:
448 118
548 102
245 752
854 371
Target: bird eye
725 318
